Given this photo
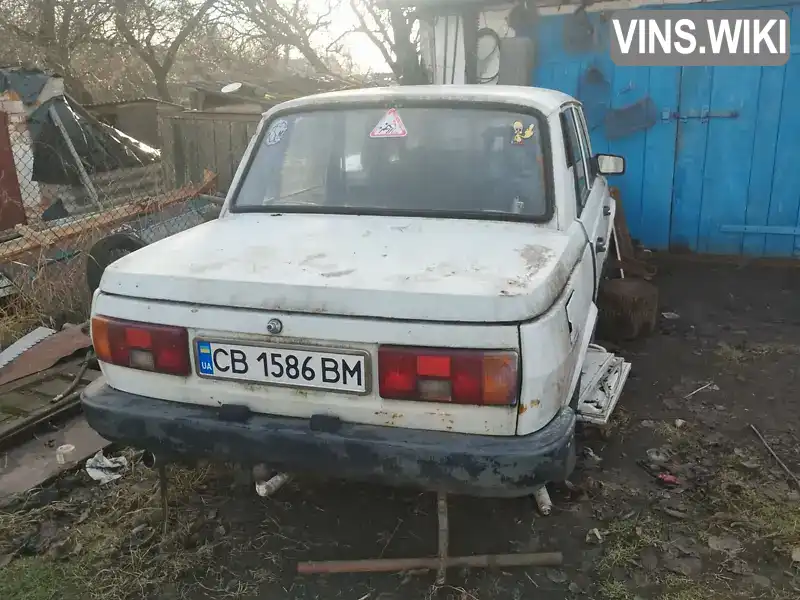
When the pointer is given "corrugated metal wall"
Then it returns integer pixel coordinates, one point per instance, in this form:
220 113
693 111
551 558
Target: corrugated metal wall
713 153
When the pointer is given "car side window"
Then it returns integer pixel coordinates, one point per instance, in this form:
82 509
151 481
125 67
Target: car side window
586 144
575 159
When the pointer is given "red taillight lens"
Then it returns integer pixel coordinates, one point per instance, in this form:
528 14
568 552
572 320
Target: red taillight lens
144 346
443 375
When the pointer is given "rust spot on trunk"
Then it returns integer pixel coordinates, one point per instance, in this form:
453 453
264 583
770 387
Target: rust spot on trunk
535 256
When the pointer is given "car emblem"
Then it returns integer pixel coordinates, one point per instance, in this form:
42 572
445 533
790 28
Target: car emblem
274 326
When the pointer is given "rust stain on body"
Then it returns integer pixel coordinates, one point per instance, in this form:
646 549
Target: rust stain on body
535 257
311 258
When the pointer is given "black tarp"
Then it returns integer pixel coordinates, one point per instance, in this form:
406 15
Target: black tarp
101 148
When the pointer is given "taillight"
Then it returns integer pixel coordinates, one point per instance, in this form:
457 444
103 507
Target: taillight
144 346
444 375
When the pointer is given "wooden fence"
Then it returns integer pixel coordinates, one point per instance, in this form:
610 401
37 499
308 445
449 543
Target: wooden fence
195 141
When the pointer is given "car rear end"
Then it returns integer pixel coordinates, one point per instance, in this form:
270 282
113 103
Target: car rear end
355 312
430 405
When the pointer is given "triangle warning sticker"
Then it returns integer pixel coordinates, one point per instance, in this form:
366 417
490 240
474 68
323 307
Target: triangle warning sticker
390 126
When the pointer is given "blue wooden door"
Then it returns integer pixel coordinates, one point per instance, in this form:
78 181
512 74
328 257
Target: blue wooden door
736 189
697 178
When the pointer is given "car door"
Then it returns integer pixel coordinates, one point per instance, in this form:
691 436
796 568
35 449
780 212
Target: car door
591 191
601 193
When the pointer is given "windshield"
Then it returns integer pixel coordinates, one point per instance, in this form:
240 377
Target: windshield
405 160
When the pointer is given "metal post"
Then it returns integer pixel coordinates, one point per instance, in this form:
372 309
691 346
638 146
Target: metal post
162 484
444 535
87 182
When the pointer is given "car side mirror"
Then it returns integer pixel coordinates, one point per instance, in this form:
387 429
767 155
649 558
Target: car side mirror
608 164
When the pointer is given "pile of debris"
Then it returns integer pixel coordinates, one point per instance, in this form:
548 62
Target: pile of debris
42 432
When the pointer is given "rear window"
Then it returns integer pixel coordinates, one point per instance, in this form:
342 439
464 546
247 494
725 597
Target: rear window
413 160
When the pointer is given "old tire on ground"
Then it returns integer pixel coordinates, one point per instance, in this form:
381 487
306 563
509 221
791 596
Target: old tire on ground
105 252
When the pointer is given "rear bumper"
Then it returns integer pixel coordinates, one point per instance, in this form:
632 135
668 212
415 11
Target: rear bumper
477 465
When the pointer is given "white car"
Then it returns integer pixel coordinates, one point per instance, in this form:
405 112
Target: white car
400 287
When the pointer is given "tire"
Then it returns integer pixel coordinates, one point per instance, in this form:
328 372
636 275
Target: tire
105 252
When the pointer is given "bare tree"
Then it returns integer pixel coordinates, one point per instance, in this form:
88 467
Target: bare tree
282 25
54 31
156 29
394 32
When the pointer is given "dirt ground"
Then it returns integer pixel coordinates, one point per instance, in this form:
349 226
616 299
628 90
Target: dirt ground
727 526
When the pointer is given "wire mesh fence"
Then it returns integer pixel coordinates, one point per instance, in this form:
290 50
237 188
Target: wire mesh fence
76 194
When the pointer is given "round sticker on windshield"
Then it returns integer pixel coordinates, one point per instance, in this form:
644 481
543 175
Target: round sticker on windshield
276 131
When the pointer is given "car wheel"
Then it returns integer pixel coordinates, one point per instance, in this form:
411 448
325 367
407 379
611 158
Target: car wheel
105 252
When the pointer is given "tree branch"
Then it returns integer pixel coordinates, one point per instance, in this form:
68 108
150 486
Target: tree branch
188 28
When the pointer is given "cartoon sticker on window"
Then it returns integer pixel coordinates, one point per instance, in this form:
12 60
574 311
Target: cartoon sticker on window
276 132
390 126
520 133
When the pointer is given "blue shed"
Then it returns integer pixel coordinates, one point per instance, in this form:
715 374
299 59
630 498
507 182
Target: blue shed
712 153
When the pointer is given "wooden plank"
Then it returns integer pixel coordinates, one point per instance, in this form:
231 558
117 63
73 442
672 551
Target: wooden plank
659 161
621 227
24 402
70 367
35 462
690 160
729 152
785 197
768 116
629 85
223 158
205 148
10 432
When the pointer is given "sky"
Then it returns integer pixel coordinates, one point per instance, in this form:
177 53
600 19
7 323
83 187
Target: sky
366 56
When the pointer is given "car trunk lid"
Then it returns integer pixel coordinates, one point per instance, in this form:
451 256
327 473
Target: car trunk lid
422 269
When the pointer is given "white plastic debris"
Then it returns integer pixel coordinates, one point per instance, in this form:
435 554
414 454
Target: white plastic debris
63 453
104 469
670 315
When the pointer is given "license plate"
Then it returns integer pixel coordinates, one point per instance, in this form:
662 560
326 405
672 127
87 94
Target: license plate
319 368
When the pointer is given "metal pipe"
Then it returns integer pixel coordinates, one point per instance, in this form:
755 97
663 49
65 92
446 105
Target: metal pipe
444 537
385 565
543 501
272 485
149 459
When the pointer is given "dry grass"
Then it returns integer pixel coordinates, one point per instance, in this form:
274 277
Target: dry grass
740 504
49 292
749 505
627 538
113 546
744 351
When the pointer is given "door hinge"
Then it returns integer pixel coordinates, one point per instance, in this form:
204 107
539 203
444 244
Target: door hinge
600 245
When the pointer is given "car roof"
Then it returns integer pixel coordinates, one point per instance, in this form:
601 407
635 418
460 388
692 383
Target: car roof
544 100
